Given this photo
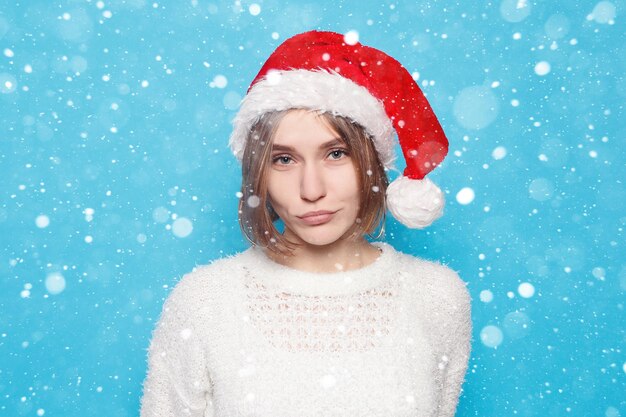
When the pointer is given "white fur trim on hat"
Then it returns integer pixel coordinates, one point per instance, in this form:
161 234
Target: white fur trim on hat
415 203
318 90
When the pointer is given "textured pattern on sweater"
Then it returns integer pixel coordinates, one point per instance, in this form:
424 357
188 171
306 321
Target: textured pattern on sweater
301 323
245 336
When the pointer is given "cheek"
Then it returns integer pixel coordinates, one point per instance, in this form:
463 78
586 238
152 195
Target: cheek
346 190
348 183
277 189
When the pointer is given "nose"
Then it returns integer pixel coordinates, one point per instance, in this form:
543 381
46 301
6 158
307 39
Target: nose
312 183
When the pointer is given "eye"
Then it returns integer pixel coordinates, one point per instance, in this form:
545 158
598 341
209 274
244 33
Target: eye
336 154
281 159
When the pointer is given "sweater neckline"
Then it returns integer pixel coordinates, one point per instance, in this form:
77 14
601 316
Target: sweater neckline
295 281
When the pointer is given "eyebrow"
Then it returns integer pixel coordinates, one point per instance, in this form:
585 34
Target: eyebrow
329 144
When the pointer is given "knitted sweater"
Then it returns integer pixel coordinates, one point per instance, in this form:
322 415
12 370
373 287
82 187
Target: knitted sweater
246 336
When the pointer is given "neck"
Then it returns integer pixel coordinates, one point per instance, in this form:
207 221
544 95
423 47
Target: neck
341 255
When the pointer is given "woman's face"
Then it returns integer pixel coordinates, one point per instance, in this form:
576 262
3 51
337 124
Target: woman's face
311 171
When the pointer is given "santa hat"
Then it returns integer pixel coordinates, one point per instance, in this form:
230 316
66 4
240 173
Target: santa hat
329 72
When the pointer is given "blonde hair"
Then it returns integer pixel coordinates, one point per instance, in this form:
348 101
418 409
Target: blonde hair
256 215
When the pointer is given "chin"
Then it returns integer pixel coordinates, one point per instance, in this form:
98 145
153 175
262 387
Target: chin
320 238
321 242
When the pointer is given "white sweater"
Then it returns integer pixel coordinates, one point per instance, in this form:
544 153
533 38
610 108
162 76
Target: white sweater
246 336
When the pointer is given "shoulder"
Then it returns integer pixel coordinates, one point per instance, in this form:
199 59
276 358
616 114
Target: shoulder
205 283
439 297
434 280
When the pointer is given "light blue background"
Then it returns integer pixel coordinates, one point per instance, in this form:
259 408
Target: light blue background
114 122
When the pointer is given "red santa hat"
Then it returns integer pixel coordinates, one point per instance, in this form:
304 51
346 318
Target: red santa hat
329 72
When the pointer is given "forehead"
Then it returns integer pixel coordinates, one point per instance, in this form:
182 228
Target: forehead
303 128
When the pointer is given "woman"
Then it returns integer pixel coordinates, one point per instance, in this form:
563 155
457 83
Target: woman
316 320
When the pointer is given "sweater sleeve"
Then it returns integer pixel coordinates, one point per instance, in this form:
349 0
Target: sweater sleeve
458 334
177 383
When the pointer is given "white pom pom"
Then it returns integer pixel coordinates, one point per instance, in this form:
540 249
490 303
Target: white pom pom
415 203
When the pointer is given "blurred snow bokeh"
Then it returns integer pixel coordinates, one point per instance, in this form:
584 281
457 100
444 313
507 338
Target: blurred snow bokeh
117 179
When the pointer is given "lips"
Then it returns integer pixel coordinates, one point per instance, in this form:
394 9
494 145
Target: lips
317 217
